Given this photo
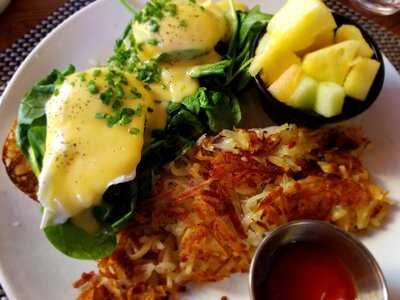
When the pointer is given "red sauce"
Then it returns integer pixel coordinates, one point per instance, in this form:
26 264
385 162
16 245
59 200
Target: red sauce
306 271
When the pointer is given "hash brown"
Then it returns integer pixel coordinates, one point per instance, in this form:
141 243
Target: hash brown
211 207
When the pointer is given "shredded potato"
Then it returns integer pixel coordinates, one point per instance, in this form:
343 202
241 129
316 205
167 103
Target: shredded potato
211 207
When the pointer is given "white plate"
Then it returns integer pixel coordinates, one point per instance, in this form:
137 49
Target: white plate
30 269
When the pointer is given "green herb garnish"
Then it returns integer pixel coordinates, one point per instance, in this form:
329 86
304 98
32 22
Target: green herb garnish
134 131
82 76
97 73
93 89
154 11
126 58
183 23
106 96
153 42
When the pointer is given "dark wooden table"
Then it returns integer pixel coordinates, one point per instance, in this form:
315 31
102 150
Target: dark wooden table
22 15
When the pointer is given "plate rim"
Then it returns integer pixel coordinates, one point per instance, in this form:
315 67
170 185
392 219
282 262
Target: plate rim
4 278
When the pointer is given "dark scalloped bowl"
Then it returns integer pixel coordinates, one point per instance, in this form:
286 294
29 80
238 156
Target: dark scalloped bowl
280 113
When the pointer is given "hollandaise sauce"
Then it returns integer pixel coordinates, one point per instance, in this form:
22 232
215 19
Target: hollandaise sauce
87 147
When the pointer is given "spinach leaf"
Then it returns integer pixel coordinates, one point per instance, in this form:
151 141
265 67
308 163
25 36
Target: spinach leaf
118 205
234 26
232 72
253 20
37 142
205 111
216 69
77 243
222 110
32 108
129 6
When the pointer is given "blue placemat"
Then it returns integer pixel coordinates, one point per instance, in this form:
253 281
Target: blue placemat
12 57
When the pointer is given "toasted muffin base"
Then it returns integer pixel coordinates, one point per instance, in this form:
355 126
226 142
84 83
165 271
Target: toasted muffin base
17 166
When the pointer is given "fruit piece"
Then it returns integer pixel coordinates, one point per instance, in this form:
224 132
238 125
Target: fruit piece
331 63
351 32
277 63
361 77
330 99
298 22
261 53
304 95
269 51
284 86
322 40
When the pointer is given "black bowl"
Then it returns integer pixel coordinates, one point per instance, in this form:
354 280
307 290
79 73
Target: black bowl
280 113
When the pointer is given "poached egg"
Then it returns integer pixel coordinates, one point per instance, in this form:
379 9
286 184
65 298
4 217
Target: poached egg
83 155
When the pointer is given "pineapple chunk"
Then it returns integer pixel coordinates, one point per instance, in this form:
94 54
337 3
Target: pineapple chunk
264 46
330 99
351 32
305 94
331 63
273 57
361 77
284 86
276 63
298 22
322 40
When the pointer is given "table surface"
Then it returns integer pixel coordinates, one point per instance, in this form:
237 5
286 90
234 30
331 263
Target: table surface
23 15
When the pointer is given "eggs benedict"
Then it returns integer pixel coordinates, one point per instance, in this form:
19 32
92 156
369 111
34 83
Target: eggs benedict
95 125
84 133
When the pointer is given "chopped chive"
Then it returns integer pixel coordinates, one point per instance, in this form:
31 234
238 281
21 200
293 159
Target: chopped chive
125 120
140 46
82 77
106 97
119 92
111 120
127 111
154 26
93 89
97 73
134 131
138 111
101 116
152 42
117 104
69 70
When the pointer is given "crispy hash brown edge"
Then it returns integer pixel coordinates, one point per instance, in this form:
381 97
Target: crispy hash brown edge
17 166
196 227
